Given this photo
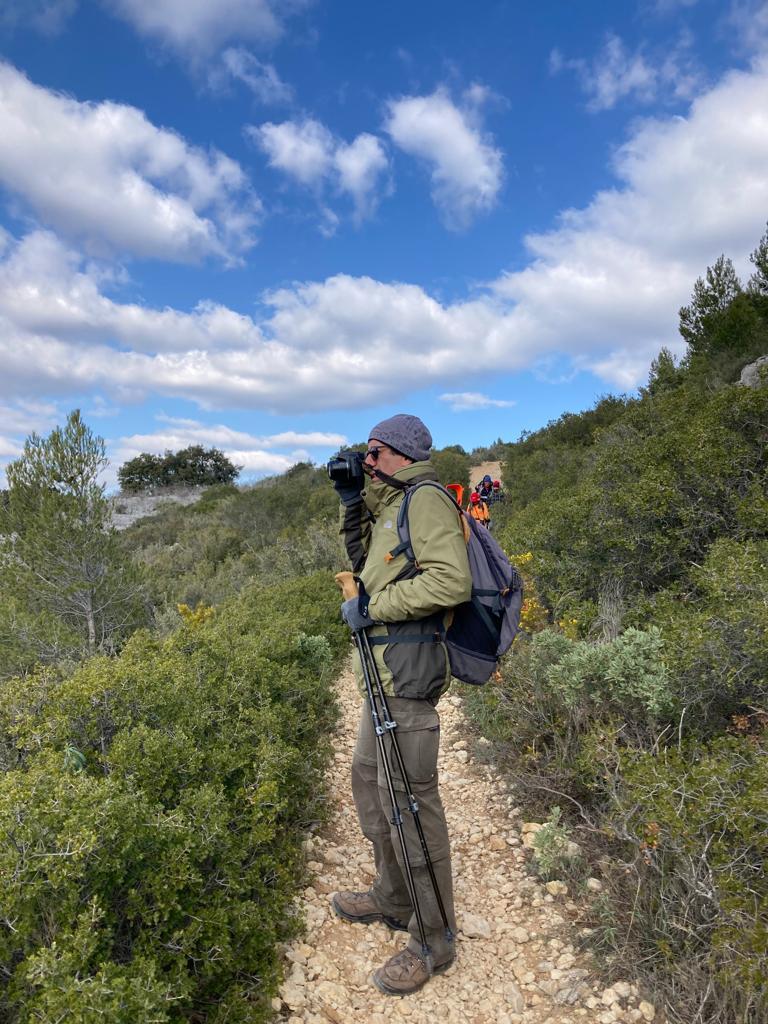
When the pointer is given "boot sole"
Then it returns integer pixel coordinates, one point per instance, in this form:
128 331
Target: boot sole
392 923
387 991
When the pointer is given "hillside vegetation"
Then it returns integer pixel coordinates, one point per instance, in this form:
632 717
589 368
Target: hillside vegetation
166 700
637 703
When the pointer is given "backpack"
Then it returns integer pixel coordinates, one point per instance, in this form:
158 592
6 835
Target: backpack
483 628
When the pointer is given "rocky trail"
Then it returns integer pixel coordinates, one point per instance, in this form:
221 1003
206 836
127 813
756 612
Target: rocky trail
518 960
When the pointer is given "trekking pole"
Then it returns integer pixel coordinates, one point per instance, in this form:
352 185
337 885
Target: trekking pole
413 805
349 588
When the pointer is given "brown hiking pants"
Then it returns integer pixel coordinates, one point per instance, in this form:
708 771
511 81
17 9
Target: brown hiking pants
418 734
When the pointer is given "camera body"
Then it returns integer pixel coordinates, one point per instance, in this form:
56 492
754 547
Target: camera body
347 467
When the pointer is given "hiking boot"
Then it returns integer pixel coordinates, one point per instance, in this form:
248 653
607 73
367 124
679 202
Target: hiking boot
404 973
362 908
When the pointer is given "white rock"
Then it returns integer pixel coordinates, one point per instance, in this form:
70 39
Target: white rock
609 997
293 997
333 856
622 989
514 997
594 885
520 935
648 1010
475 927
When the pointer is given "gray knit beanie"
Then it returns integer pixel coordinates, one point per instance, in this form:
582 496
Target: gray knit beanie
406 434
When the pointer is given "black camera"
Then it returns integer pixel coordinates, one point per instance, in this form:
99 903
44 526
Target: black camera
346 467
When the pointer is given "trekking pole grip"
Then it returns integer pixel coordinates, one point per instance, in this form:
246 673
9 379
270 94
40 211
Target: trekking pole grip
347 584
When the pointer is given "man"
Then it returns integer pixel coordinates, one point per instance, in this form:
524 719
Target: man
406 600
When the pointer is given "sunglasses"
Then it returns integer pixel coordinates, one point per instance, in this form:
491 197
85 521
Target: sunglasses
374 452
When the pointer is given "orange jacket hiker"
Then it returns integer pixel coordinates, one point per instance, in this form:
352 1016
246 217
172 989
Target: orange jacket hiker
478 509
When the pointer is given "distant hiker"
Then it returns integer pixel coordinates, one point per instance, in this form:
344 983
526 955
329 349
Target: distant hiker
478 509
497 493
485 487
410 603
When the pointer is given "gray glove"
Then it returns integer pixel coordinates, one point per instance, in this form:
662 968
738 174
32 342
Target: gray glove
354 617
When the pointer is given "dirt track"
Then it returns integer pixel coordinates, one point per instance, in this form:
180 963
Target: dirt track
493 469
518 960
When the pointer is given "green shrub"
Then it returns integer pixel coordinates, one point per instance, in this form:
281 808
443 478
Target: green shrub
693 891
152 810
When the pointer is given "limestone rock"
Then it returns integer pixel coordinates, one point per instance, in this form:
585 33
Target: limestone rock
293 996
514 997
750 375
475 927
332 856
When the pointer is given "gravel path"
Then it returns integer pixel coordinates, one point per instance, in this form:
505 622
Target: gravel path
517 960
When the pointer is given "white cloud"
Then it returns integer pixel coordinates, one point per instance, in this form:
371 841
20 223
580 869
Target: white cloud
9 449
262 79
301 149
308 152
615 74
222 436
601 292
360 166
471 401
47 16
750 20
466 166
46 290
199 27
255 454
103 174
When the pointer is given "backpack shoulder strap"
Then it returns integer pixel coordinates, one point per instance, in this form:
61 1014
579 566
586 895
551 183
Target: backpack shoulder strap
403 525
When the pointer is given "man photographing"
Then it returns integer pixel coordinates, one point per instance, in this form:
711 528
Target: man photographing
402 611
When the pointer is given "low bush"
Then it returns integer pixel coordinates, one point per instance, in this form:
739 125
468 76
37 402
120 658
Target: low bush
691 895
152 809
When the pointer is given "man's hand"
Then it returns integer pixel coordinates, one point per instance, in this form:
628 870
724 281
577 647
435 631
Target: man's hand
353 616
349 491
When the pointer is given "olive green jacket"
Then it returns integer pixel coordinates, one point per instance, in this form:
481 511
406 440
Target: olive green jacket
408 600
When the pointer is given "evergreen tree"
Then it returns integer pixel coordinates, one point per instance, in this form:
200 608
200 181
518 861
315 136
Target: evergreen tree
66 589
194 466
758 283
711 299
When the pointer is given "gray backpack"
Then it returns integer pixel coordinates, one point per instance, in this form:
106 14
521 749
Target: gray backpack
484 627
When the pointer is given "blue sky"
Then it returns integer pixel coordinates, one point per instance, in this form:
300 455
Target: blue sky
266 225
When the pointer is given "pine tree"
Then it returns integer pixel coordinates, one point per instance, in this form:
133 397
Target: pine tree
758 282
711 298
66 589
